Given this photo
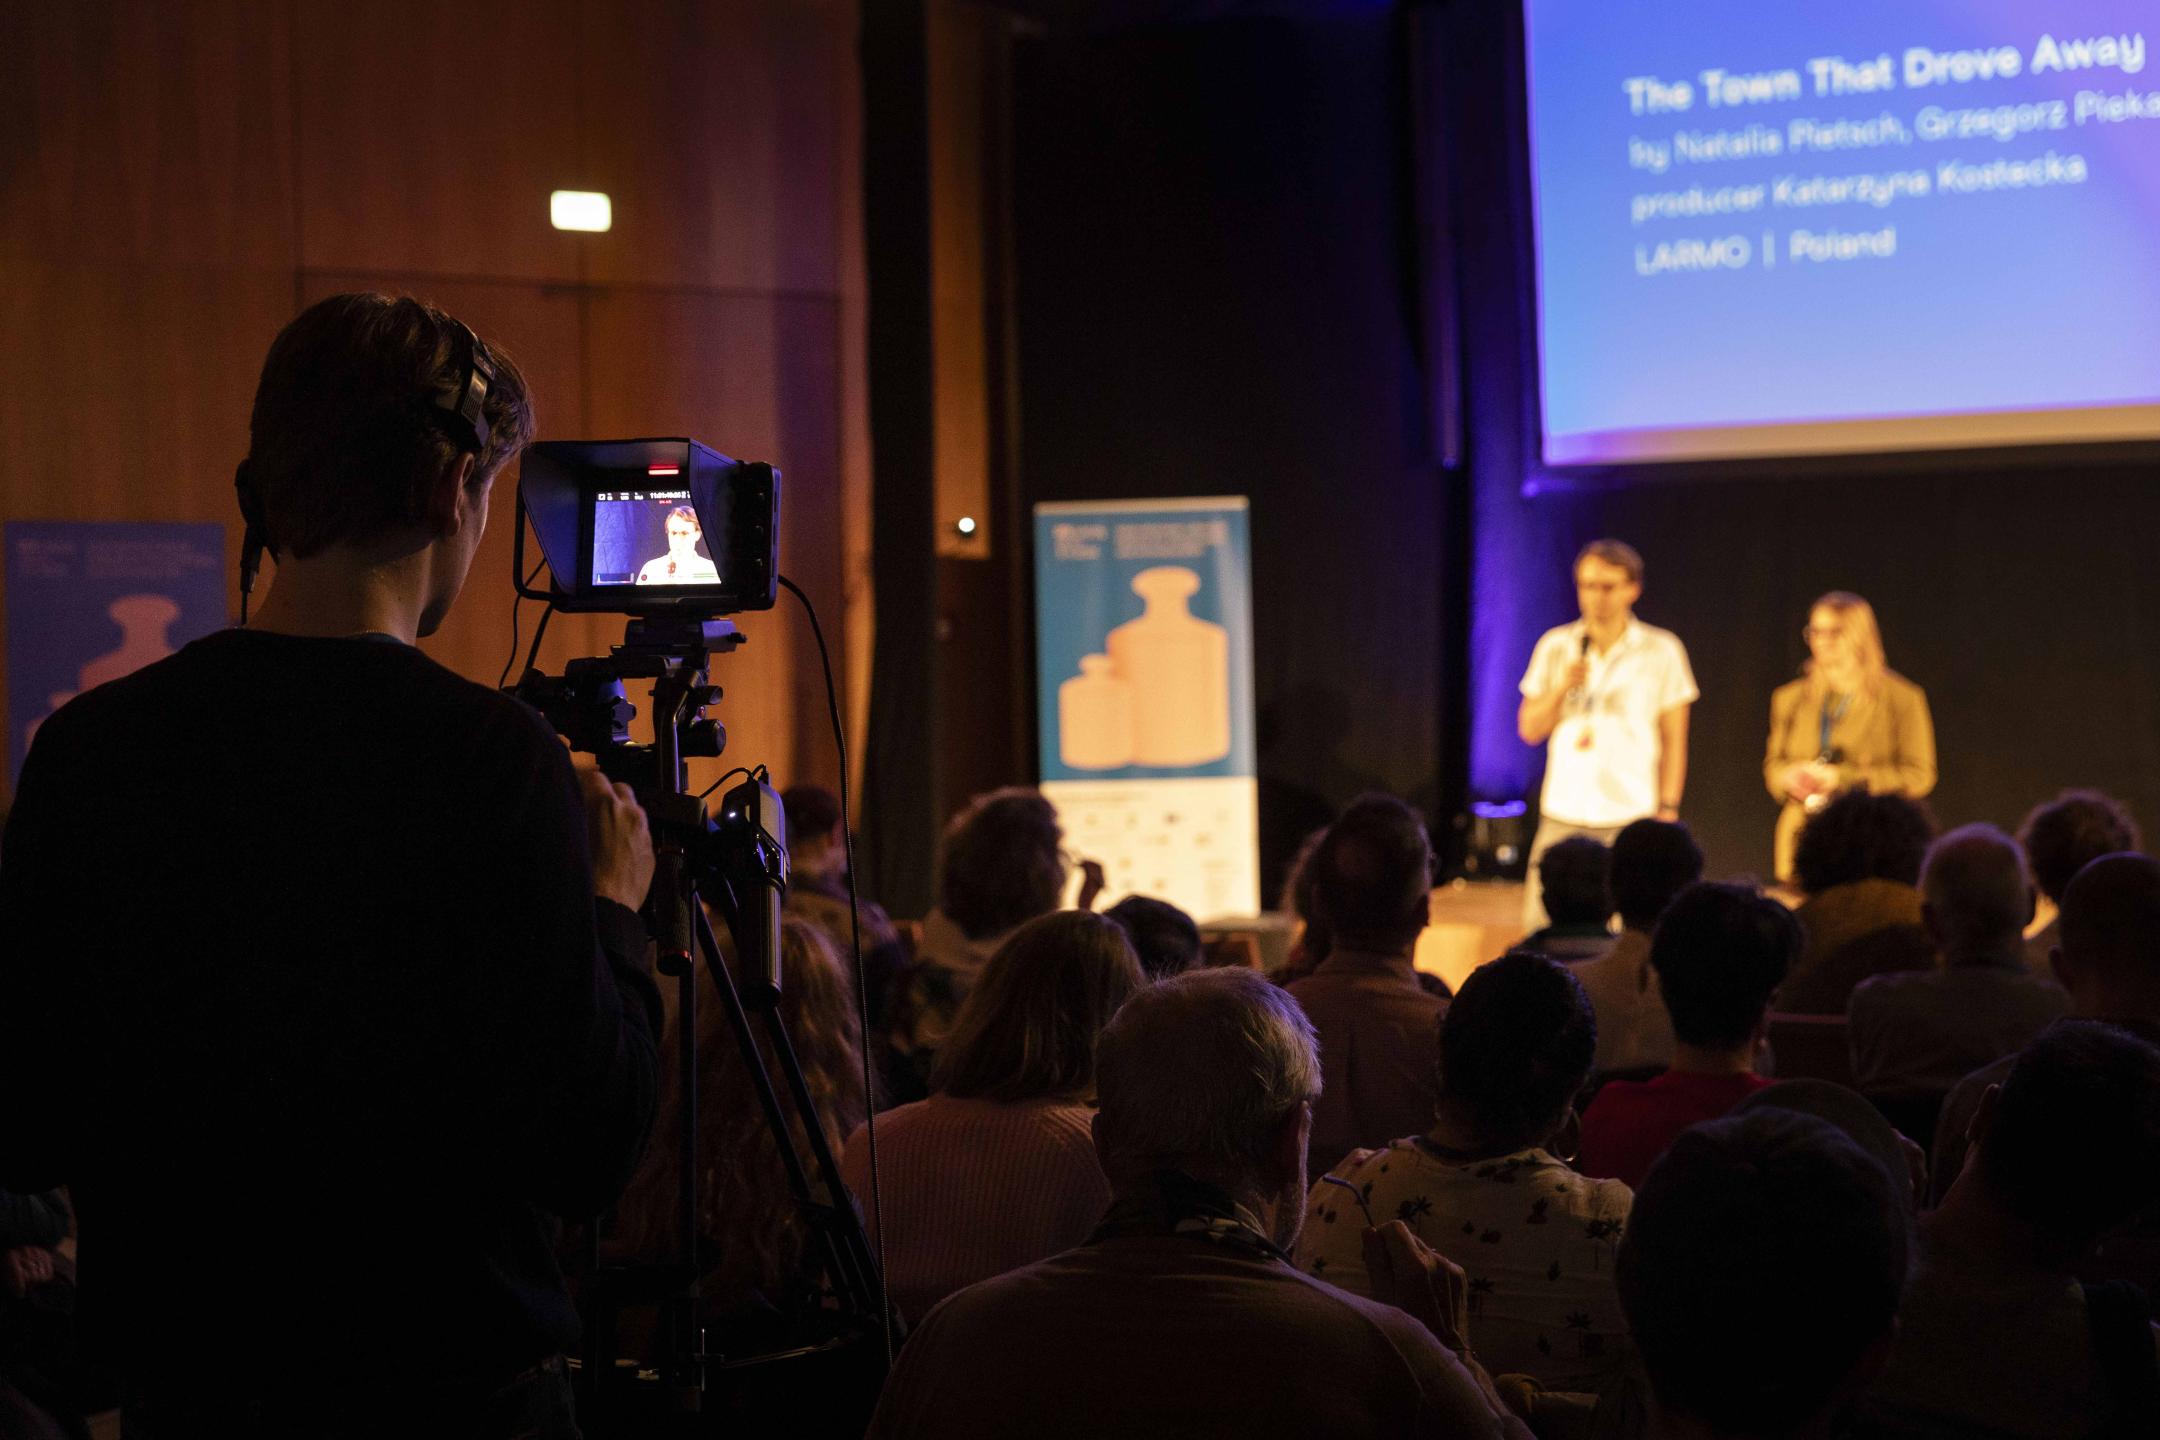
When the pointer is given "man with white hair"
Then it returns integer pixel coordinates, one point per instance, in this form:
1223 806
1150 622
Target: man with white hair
1182 1315
1917 1034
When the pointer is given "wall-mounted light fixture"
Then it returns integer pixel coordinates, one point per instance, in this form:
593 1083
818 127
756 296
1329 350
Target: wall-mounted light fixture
580 210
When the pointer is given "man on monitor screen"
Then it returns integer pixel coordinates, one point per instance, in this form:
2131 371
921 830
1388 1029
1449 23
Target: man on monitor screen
1612 695
682 565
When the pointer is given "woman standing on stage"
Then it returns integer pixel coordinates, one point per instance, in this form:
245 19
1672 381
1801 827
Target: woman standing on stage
1849 722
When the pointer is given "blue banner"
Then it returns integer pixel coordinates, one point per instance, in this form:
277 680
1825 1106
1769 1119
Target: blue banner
1143 627
1143 631
90 601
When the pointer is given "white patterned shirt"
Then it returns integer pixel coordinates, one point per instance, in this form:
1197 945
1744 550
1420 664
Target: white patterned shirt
1536 1239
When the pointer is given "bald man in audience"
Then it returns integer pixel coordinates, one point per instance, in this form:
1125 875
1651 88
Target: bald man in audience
1919 1033
1182 1315
2107 957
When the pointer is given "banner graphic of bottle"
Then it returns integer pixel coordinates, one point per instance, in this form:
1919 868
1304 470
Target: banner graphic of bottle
1159 695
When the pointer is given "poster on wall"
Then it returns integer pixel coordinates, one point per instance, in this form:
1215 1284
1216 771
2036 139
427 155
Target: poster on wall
1144 677
90 601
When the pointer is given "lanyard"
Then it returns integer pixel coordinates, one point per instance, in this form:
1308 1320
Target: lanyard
1831 714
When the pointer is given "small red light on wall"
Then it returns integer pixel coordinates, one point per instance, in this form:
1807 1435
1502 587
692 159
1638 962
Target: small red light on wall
663 470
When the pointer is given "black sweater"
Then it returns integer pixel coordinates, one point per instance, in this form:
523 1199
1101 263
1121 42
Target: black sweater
304 991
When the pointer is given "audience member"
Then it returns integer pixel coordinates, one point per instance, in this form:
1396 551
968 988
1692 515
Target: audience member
1719 952
1309 938
2107 959
1001 864
818 892
1996 1337
1862 1123
1859 867
2061 838
1163 936
996 1169
1918 1034
1578 900
372 1007
1761 1274
1182 1316
1372 885
1536 1238
760 1279
1652 861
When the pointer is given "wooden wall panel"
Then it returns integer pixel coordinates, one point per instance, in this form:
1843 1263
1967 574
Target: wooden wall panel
431 134
958 35
140 133
717 129
756 378
124 391
178 177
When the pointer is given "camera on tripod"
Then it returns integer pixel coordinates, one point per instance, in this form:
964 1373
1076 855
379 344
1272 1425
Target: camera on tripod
676 536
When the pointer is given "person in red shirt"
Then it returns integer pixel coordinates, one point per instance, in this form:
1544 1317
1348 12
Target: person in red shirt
1719 952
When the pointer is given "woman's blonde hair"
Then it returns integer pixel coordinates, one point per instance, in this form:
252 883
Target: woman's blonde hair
1027 1029
1858 617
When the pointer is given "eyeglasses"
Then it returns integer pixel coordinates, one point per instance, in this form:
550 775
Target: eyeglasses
1821 632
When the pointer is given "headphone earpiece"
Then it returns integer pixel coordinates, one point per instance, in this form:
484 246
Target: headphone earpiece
462 412
255 534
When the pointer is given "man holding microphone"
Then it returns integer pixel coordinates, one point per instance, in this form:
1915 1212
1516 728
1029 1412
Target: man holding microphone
1611 694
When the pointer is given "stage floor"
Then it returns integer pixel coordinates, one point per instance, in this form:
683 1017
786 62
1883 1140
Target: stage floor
1472 922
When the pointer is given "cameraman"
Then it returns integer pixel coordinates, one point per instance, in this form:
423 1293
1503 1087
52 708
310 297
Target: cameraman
305 988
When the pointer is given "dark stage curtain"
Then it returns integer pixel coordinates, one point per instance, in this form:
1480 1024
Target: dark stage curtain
1217 296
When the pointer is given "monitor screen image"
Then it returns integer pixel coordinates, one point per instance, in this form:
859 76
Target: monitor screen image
649 537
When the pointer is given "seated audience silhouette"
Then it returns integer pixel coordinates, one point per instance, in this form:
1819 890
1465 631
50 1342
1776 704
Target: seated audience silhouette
1536 1238
1862 1123
1859 866
1372 885
2107 959
1996 1337
1652 861
996 1169
1163 936
1916 1035
818 892
1308 934
2061 838
761 1280
1001 864
1719 952
1761 1273
1181 1316
1573 878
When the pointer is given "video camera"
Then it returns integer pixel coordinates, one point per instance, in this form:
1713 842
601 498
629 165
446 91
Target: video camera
674 535
664 528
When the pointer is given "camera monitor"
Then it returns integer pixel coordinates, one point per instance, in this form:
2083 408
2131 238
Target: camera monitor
650 527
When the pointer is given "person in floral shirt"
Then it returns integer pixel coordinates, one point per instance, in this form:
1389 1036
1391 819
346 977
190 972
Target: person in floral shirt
1486 1187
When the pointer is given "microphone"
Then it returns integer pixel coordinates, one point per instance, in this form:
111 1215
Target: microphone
1575 691
753 835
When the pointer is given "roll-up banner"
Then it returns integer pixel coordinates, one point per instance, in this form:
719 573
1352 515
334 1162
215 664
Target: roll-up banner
1144 676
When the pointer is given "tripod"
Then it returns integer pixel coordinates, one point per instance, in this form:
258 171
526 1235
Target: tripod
739 865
